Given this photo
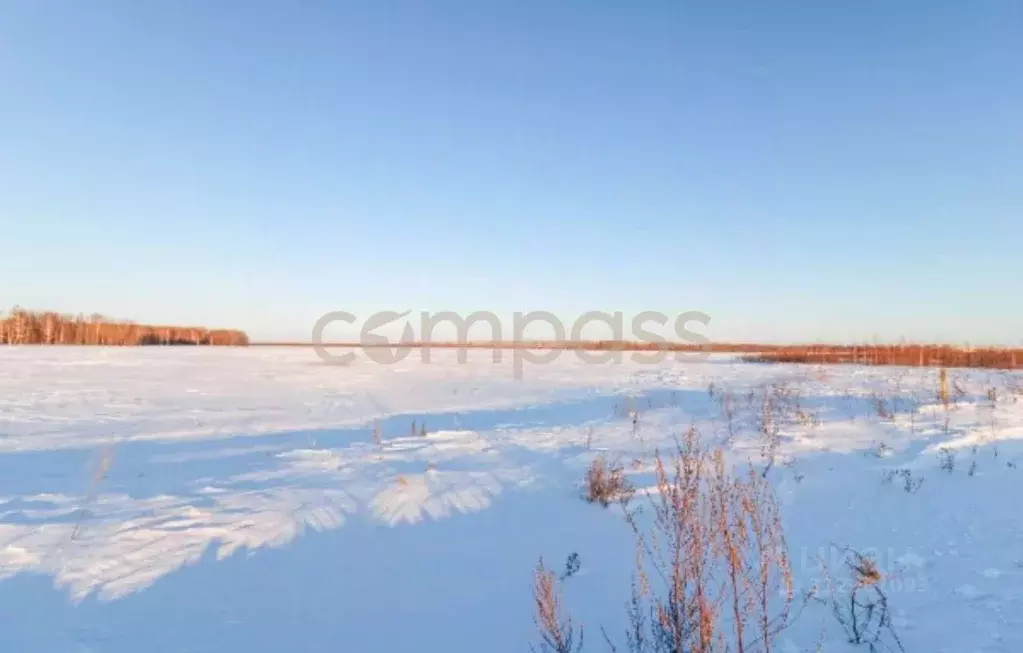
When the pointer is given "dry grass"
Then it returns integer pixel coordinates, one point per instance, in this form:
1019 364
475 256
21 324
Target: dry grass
713 573
718 545
712 570
606 482
557 633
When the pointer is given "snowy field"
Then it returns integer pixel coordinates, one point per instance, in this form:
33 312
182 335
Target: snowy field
250 500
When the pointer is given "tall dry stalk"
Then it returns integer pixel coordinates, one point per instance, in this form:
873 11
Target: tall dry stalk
714 559
558 634
769 431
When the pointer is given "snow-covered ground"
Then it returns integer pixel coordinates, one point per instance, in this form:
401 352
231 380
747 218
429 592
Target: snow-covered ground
237 499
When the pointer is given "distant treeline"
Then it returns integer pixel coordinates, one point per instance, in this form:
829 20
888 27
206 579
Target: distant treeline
22 327
913 355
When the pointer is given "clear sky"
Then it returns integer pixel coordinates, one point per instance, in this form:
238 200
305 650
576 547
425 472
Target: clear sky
796 170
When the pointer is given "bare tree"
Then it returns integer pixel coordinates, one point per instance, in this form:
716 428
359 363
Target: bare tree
51 322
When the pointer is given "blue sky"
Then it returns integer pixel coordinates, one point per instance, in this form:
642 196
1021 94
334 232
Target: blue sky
796 170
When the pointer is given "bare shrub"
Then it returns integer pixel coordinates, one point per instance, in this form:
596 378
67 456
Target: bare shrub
607 483
948 459
958 391
558 634
572 566
713 571
864 615
769 432
807 419
913 408
727 404
896 383
796 474
881 407
909 483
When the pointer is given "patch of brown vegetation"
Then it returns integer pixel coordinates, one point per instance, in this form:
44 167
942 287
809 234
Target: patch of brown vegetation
606 483
712 565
